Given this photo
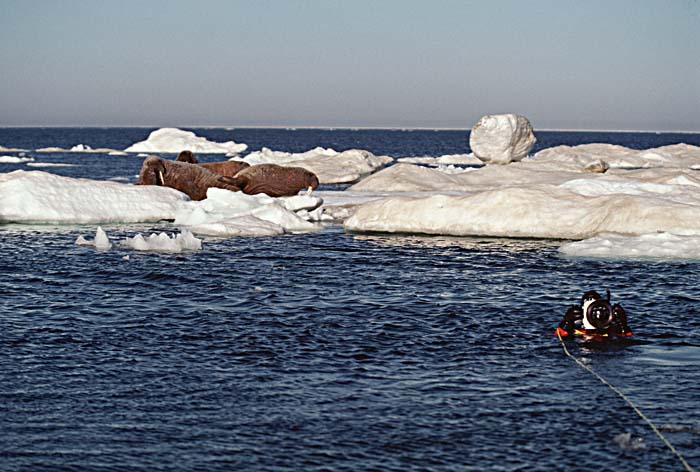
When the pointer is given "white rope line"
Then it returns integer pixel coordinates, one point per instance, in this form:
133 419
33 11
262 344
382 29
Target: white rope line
629 402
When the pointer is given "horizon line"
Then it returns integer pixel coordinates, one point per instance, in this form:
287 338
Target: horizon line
351 128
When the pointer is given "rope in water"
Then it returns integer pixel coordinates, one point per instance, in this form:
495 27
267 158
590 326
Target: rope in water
629 402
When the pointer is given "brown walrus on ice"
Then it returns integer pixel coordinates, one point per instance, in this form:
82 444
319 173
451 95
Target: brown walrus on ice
274 180
227 168
191 179
194 179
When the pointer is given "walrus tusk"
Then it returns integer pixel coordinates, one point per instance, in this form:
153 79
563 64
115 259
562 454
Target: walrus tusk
161 180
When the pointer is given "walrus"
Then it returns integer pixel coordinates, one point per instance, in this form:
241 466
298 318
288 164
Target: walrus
193 180
226 168
274 180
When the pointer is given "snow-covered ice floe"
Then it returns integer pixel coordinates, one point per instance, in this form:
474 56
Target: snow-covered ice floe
548 197
6 149
40 197
175 140
84 148
330 166
445 160
533 211
224 213
653 245
14 159
162 242
49 164
620 157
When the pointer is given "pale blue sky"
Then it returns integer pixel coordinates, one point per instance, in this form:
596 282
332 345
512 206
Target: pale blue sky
609 64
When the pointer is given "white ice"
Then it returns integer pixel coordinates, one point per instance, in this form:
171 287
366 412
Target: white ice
101 240
40 197
620 157
162 242
537 211
14 159
185 241
224 213
551 197
49 164
6 149
501 139
653 245
84 148
447 159
175 140
330 166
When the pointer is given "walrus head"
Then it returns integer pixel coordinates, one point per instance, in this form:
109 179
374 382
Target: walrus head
187 156
311 180
152 172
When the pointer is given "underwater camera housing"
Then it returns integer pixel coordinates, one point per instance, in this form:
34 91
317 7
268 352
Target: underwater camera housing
600 314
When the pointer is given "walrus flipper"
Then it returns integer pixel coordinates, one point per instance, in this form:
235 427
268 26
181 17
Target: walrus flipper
229 183
238 180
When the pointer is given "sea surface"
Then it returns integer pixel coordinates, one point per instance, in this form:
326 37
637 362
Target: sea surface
331 351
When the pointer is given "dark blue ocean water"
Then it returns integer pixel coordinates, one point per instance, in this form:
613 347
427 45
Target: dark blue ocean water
331 351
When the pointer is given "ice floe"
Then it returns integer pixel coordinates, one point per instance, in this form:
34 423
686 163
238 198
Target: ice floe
101 240
628 442
161 242
501 139
620 157
175 140
534 211
413 178
447 159
582 193
653 245
84 148
330 166
14 159
40 197
224 213
6 149
49 164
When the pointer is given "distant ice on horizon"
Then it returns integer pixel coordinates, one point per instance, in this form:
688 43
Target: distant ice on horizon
78 148
49 164
14 159
174 140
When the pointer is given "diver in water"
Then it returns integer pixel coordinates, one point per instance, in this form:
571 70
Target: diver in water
595 316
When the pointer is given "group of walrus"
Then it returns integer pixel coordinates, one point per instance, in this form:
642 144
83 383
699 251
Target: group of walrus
189 176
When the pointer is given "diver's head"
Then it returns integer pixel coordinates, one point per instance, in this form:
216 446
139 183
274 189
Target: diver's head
586 300
598 315
590 296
